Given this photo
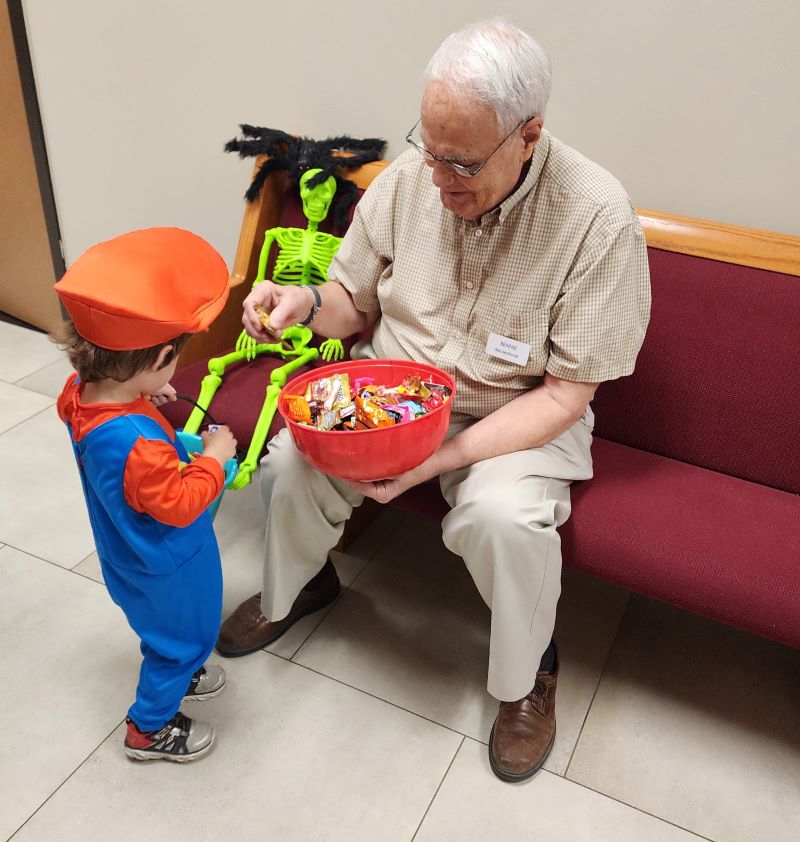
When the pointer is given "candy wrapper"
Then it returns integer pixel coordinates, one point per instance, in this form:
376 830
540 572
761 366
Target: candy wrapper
330 403
371 414
263 317
297 409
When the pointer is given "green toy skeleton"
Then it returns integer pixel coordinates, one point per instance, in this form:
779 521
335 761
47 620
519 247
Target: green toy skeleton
304 255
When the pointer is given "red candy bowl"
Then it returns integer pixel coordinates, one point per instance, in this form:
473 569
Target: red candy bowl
371 454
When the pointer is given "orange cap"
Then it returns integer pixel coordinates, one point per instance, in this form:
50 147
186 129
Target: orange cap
144 288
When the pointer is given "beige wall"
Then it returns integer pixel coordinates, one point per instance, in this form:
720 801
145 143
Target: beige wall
693 104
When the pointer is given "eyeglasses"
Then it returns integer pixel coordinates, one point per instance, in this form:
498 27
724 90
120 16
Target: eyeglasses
458 169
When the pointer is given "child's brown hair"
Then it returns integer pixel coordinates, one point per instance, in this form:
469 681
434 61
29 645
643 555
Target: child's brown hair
94 363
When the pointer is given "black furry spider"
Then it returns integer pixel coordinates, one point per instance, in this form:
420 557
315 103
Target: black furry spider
298 154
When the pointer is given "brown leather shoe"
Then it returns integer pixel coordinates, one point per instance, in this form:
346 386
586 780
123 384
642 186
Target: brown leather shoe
524 731
248 630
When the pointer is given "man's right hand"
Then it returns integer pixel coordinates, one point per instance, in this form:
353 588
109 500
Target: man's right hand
286 305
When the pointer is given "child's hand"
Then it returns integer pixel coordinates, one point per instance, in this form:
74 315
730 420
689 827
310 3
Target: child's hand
163 395
219 444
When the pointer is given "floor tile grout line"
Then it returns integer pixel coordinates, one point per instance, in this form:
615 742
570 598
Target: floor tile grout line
17 384
580 732
73 772
481 743
53 563
87 577
370 559
79 563
343 591
32 373
639 810
444 776
597 686
370 695
30 417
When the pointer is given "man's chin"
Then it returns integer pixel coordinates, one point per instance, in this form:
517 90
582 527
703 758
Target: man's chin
458 203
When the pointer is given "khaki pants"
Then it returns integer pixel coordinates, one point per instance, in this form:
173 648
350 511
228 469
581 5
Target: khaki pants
502 521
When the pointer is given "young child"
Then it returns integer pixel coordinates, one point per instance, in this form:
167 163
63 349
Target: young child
133 302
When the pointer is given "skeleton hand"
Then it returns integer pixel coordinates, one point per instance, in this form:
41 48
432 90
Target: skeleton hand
243 475
332 350
247 345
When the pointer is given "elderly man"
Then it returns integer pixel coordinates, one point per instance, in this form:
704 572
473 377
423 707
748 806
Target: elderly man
488 234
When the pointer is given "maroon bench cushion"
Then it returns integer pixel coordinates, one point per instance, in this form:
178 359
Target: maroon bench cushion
720 546
717 382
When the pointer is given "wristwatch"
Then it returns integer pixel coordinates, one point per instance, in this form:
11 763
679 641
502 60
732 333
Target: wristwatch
317 303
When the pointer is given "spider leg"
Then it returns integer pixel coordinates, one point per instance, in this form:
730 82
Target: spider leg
269 136
345 198
270 165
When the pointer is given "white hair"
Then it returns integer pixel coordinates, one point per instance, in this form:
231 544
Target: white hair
498 63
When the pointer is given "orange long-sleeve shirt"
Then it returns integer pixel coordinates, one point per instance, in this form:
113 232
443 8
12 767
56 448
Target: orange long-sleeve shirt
153 481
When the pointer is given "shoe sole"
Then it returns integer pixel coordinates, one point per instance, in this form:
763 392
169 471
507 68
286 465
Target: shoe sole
139 754
517 777
201 697
238 653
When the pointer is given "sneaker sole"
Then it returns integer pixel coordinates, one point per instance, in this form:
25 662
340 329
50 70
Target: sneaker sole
513 777
201 697
140 754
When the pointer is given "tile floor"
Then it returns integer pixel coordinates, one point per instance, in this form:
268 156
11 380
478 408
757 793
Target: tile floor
367 721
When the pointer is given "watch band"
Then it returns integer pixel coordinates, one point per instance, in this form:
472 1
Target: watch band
315 306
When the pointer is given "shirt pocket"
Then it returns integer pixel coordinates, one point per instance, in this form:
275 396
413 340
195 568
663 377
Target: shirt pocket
531 327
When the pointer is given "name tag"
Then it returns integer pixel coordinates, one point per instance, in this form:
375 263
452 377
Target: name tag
507 349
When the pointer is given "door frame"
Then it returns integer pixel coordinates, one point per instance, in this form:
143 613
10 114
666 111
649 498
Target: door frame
28 84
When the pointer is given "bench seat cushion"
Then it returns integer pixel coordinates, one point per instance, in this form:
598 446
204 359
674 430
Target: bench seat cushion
716 545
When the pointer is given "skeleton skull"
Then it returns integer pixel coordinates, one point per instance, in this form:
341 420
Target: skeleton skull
316 200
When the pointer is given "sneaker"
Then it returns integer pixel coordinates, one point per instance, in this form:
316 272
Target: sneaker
181 739
206 683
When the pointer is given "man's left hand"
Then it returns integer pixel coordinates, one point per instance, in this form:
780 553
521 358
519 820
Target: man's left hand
385 490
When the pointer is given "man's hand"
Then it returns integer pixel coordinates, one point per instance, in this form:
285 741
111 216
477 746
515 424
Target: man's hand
385 490
163 395
286 305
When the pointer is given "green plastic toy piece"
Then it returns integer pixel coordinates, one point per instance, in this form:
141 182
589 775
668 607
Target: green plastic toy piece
304 255
295 343
332 350
295 348
277 380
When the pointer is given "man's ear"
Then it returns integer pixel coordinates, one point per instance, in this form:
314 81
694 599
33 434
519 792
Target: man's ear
531 132
164 357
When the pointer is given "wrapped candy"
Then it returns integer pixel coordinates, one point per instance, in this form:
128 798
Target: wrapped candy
330 403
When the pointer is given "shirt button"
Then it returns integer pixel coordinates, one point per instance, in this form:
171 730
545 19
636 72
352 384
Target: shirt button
469 285
478 232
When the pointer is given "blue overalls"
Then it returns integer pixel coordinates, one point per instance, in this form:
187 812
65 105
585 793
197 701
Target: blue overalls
166 579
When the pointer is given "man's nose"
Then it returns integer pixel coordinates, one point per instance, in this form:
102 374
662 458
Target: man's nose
442 176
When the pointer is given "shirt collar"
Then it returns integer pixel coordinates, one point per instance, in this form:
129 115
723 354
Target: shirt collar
537 165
